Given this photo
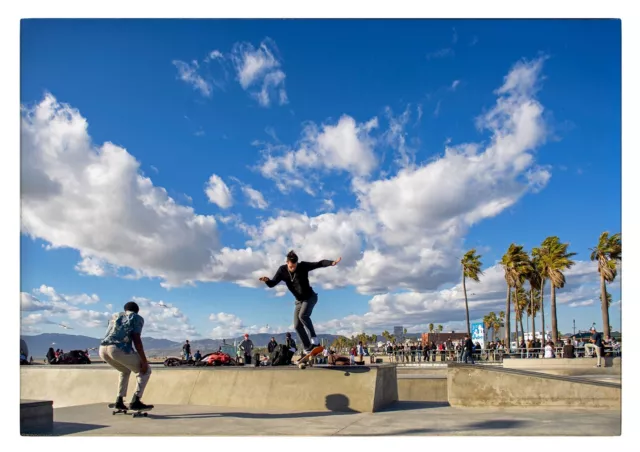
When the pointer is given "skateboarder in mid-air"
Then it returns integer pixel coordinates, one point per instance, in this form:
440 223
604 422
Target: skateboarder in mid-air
296 276
116 349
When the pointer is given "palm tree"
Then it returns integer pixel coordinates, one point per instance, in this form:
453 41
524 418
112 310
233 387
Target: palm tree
608 299
608 253
491 321
386 335
535 284
472 269
431 327
523 303
543 273
515 263
555 259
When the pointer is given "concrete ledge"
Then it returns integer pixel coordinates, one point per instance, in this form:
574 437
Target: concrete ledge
560 366
470 386
36 417
340 388
422 388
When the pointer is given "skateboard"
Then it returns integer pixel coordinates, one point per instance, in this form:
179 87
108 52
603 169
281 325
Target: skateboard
134 413
309 358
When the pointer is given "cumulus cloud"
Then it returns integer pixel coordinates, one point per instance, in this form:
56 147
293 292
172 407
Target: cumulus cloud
45 306
218 192
255 66
344 146
405 231
229 325
65 176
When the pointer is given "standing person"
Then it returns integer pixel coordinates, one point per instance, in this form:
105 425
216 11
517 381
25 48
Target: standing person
548 350
296 276
290 344
271 346
352 355
467 349
197 356
186 350
360 352
247 347
596 339
116 349
325 356
568 350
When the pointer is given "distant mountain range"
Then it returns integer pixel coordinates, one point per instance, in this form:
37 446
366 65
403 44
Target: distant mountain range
39 344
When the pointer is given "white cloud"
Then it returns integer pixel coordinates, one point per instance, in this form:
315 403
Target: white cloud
395 137
230 325
577 304
188 73
64 176
214 55
260 65
60 309
436 112
405 231
92 266
441 53
327 205
345 146
454 85
255 198
218 192
164 320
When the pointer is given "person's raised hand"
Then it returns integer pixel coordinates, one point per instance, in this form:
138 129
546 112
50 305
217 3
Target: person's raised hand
264 279
336 261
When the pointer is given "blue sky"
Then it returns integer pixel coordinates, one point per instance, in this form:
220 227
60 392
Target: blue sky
234 141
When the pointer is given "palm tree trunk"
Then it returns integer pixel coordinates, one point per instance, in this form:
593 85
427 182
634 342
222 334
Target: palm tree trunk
533 321
542 311
466 302
507 319
515 308
521 327
554 318
531 304
605 307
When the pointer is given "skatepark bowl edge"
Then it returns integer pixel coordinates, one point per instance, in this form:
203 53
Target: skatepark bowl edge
377 400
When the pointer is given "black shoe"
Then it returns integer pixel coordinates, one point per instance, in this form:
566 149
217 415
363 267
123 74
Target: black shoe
119 405
136 404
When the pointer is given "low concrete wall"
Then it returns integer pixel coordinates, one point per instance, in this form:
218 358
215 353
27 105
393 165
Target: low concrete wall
471 386
359 388
422 388
560 366
36 417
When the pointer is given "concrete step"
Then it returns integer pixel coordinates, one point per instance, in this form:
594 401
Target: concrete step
36 417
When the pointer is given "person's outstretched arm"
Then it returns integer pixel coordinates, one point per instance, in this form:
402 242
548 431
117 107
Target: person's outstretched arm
324 263
274 281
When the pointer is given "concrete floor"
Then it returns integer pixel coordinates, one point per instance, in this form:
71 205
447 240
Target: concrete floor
403 418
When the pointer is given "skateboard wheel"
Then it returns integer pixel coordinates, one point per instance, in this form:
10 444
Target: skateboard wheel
113 412
145 414
301 366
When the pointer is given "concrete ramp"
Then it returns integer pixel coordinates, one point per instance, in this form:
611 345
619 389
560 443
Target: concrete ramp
480 386
346 389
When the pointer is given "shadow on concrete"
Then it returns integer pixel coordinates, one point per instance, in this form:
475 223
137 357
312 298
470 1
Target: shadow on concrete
348 370
406 405
241 415
68 428
500 424
497 424
338 403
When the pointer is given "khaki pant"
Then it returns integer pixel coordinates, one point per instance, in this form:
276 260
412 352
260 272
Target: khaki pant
125 363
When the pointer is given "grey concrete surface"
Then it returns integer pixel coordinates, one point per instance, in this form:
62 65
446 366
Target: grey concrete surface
402 418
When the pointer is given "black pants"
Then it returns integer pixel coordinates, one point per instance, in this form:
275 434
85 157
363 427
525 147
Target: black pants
302 319
247 359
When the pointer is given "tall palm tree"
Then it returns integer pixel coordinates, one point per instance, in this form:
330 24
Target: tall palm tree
608 253
533 308
472 269
515 263
386 335
431 327
556 259
439 328
521 307
608 299
535 283
493 322
543 273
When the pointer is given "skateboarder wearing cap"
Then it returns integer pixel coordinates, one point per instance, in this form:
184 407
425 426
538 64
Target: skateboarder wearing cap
296 276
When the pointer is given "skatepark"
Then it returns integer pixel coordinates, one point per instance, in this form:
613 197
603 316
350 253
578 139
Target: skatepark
528 398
